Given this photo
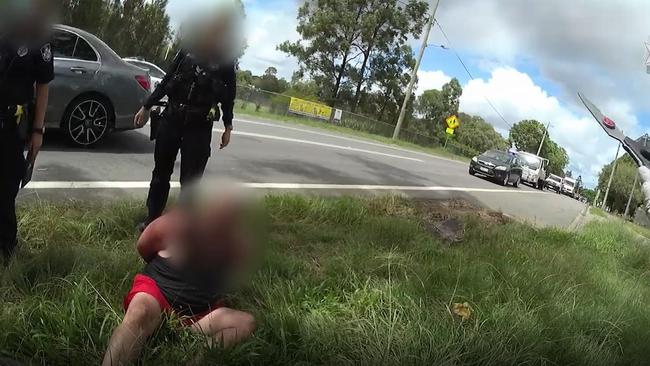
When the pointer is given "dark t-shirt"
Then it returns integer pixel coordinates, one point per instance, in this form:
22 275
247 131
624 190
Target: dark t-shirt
22 66
189 290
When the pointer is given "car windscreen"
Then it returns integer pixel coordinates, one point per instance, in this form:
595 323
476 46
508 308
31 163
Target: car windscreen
555 178
531 162
569 183
498 156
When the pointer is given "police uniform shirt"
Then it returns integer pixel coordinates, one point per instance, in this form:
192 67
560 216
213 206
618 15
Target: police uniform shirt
21 66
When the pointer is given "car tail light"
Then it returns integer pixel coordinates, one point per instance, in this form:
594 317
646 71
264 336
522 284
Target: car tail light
144 81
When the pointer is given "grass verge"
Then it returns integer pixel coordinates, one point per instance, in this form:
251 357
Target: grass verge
348 282
437 151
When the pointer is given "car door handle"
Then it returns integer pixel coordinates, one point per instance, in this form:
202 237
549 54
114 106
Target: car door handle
78 70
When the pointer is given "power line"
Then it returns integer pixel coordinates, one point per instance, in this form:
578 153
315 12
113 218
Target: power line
444 34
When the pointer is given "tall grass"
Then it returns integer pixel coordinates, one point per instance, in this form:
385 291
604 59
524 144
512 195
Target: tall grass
347 282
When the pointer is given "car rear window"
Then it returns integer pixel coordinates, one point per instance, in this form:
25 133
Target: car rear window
84 51
63 44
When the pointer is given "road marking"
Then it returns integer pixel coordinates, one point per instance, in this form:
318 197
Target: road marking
288 186
308 142
387 146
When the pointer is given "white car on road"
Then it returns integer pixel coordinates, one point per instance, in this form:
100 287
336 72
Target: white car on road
156 73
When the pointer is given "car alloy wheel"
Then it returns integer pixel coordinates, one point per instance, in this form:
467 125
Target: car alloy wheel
88 122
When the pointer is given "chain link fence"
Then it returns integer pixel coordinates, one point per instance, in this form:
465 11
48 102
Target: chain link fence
264 102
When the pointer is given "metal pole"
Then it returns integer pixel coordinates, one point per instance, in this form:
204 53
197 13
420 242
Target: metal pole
539 151
629 200
414 73
595 203
611 176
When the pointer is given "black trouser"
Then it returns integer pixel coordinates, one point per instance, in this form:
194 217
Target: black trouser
12 170
193 139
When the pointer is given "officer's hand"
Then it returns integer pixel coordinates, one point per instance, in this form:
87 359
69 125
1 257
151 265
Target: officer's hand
141 118
225 139
35 144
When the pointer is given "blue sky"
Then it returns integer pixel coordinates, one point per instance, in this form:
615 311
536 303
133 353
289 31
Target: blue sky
529 58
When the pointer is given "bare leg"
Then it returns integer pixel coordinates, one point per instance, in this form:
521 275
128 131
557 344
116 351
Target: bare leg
141 320
226 326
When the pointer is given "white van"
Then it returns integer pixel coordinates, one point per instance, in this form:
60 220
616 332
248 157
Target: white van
534 169
568 186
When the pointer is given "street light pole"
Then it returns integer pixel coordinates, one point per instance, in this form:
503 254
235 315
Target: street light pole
611 176
539 151
414 73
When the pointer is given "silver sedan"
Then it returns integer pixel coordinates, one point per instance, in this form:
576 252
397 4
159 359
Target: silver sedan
94 90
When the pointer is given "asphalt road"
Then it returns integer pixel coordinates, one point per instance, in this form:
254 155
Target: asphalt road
273 156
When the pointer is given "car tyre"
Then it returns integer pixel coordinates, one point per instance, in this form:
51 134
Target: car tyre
516 183
471 171
87 120
506 180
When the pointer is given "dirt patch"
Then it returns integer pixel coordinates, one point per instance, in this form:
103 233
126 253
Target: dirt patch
446 218
440 210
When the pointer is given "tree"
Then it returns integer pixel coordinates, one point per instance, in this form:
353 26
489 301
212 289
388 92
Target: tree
621 186
270 82
476 133
120 23
527 136
385 29
341 40
435 106
329 28
589 194
557 156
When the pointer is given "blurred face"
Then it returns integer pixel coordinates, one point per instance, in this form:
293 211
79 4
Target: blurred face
29 18
219 233
213 38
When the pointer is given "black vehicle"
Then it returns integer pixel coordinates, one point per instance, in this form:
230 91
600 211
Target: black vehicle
497 165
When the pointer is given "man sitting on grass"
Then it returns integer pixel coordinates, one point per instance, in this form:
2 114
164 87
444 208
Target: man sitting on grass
192 254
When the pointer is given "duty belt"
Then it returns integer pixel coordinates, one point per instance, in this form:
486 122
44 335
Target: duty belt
14 114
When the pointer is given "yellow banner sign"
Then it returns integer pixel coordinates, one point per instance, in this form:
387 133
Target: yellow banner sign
310 109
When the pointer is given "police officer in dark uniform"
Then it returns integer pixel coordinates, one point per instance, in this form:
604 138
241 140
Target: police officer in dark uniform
26 68
200 83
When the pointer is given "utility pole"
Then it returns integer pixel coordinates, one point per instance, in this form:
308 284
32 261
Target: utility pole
539 151
636 179
414 73
611 176
629 200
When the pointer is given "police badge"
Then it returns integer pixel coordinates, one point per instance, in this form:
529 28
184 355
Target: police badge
46 52
22 51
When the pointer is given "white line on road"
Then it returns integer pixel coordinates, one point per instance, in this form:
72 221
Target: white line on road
331 146
288 186
387 146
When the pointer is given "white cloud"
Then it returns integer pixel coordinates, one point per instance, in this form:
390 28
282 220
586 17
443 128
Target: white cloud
428 80
265 31
517 97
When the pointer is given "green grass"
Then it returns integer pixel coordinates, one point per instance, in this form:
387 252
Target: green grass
346 282
598 212
434 150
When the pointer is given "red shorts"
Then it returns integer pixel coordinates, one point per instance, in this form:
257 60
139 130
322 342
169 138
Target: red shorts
146 284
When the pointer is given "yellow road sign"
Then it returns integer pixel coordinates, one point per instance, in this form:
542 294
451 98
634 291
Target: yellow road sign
452 124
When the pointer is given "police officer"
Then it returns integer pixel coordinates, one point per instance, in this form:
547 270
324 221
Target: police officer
200 83
26 68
